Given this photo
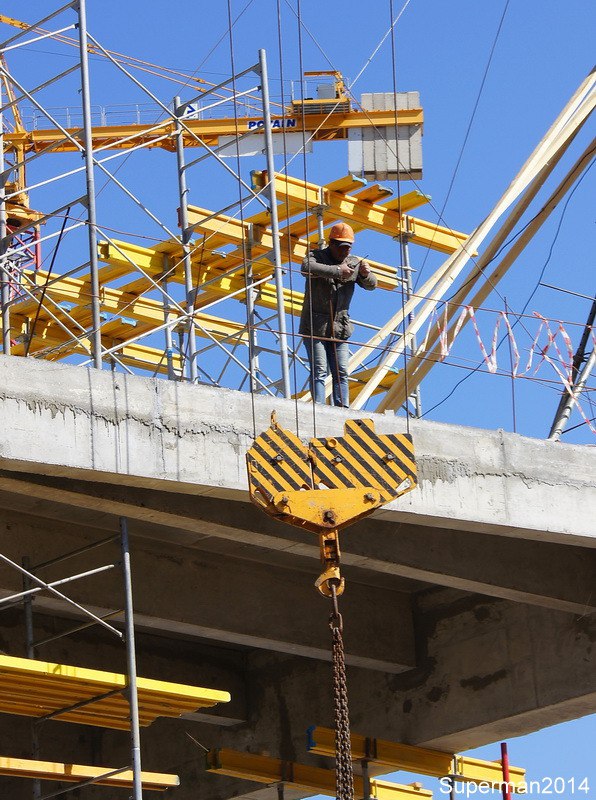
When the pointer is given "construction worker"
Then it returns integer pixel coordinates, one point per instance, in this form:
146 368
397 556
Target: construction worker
331 274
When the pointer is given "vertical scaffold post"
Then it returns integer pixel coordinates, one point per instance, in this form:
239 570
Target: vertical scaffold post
406 275
320 221
253 353
4 273
131 662
90 178
279 288
167 319
187 265
31 652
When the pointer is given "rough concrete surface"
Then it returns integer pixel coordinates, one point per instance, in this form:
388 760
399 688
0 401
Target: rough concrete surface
469 607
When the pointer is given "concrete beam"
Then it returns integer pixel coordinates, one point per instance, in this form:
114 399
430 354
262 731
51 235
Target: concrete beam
206 596
525 571
152 433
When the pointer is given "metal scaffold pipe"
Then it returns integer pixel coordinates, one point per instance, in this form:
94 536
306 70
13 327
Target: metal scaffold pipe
279 288
4 274
184 225
131 660
90 178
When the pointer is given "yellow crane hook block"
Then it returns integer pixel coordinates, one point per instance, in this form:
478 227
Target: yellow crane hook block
331 483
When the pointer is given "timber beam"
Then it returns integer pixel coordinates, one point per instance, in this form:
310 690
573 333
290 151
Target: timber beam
390 756
264 769
369 215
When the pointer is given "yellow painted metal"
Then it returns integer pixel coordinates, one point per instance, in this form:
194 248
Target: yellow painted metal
389 756
76 773
361 471
264 769
350 183
475 770
36 688
324 126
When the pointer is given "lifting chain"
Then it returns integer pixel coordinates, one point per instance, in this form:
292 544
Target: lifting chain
344 776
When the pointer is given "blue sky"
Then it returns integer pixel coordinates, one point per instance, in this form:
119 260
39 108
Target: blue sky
543 51
539 57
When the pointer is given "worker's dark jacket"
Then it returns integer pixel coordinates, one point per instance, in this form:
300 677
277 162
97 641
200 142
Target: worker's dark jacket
327 298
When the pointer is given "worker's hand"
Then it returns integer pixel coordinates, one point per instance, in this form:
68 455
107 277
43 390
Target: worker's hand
345 272
363 269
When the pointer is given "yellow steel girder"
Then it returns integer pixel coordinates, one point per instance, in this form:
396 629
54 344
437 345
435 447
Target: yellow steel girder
264 769
118 301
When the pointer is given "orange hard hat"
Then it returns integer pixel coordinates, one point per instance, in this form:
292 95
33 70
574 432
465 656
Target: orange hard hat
342 232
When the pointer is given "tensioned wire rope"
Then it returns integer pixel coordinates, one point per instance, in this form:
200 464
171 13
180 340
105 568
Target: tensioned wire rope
468 131
247 288
402 240
306 216
377 130
287 205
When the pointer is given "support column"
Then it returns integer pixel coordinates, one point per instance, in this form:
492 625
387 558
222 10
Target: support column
167 320
253 354
131 662
406 275
90 178
188 285
279 289
30 646
4 273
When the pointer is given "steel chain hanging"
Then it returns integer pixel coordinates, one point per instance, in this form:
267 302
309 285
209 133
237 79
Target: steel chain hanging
344 776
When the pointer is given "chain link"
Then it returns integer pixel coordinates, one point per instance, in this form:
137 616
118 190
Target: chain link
344 776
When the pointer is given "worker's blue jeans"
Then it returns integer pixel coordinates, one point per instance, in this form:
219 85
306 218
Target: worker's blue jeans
328 357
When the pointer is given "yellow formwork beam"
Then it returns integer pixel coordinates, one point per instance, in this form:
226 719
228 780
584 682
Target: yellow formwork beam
122 302
264 769
36 688
226 230
392 756
370 215
78 773
53 338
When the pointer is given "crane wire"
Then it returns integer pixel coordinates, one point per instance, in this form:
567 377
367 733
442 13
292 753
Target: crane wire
402 240
287 205
248 289
310 343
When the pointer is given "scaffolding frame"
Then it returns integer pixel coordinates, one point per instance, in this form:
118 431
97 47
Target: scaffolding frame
93 326
33 584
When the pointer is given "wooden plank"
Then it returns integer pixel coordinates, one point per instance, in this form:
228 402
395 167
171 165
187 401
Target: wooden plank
77 773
